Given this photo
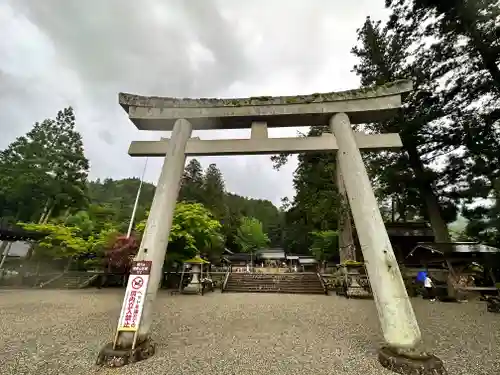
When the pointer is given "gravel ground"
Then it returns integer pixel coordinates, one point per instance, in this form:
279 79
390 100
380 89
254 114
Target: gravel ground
60 332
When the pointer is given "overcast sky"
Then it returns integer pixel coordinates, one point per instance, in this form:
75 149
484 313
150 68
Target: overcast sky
56 53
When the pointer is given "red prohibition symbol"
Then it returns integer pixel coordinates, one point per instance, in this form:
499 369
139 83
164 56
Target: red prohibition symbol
137 282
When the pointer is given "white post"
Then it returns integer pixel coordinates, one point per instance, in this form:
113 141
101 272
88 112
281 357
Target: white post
136 203
395 311
7 247
155 238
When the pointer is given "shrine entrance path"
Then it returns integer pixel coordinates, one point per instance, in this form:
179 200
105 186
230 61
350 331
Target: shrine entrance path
61 332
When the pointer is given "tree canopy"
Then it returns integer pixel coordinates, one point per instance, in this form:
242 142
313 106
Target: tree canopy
194 230
250 235
44 173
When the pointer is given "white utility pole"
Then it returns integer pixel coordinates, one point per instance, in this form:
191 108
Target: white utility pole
131 224
6 245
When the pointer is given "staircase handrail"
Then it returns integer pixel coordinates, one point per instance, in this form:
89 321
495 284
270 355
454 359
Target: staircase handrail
325 288
87 282
57 277
223 286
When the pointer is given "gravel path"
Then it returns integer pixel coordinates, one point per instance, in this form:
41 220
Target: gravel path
60 332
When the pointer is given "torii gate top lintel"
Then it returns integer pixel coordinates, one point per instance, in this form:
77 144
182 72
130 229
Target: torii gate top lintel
362 105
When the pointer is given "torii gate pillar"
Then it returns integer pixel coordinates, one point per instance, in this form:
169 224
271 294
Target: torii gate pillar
397 318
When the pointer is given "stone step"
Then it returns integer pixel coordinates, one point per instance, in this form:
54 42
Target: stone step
274 283
272 287
283 285
285 291
273 279
280 275
70 281
305 290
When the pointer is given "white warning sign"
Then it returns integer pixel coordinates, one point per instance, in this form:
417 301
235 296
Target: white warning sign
133 303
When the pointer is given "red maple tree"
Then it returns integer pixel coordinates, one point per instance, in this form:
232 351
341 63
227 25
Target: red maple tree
119 256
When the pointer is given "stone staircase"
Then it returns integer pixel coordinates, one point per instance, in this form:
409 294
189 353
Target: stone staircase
70 280
298 283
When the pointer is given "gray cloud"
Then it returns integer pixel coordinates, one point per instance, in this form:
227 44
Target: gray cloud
139 46
56 53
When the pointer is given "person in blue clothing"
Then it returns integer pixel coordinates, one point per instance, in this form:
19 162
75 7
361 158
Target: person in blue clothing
429 288
424 278
421 276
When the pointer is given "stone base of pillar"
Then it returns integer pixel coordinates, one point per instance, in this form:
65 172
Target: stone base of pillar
410 363
119 357
192 288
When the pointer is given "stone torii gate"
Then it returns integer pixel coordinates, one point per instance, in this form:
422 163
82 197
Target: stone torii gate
339 110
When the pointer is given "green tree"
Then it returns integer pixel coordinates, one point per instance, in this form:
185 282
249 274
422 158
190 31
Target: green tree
463 28
325 246
112 201
316 204
214 191
194 230
484 220
462 40
44 172
192 183
75 238
82 221
61 241
263 210
250 236
386 56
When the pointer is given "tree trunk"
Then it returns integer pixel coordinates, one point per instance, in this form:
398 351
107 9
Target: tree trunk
347 249
49 213
393 210
66 269
439 227
31 250
44 212
67 212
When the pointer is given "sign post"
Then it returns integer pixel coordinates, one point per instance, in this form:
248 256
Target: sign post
133 302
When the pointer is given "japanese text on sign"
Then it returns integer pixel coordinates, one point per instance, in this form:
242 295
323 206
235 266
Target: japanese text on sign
141 268
135 294
130 320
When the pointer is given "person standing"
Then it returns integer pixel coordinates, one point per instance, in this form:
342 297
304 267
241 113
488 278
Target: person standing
429 288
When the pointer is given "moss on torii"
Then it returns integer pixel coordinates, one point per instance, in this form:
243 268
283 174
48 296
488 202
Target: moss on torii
392 88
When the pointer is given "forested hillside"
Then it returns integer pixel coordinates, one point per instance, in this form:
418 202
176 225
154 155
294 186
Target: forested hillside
113 200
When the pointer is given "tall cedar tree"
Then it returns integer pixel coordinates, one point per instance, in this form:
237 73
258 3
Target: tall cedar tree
192 183
316 203
214 190
465 50
44 173
384 56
